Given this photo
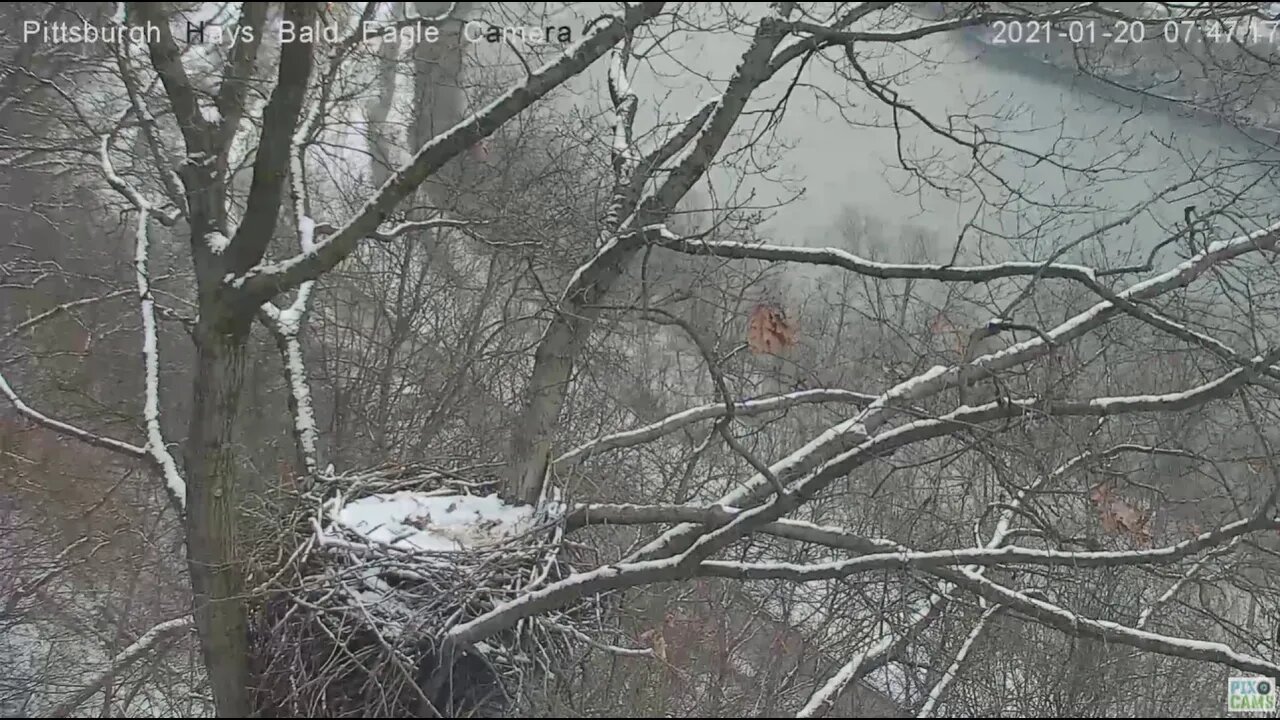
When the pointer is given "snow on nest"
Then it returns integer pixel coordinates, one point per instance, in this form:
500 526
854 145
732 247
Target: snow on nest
435 523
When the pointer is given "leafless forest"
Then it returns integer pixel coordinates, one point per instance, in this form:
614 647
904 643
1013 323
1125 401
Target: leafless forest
864 359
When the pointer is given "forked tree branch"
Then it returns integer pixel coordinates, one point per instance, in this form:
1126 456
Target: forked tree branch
166 58
687 563
280 122
237 73
263 282
858 428
156 446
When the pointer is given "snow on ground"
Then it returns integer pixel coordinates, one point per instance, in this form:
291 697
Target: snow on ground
435 523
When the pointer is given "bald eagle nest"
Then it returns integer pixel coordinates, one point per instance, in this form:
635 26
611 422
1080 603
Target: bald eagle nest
356 606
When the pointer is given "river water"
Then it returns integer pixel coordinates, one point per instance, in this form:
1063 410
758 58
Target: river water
1141 153
1066 156
836 145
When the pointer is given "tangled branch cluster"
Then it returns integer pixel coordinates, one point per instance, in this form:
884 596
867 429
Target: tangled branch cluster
351 626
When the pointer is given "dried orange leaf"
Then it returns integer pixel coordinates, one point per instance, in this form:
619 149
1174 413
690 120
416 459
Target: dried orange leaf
769 331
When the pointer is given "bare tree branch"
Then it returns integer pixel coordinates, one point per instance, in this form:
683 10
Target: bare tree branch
1076 625
141 648
156 446
686 563
985 557
280 122
940 378
166 58
71 431
265 281
677 421
940 688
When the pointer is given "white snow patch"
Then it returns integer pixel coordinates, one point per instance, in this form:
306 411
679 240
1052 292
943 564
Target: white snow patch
290 321
618 75
217 242
621 87
709 107
304 418
445 523
306 233
211 114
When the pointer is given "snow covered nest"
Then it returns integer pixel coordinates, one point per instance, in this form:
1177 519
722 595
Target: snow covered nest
386 563
423 522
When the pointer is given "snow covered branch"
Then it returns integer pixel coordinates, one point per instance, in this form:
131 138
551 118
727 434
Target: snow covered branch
975 557
887 442
939 688
98 441
265 281
679 139
156 445
396 231
150 133
633 175
951 273
623 152
684 418
800 530
846 434
848 15
286 325
1076 625
62 308
687 563
835 36
281 120
889 643
848 261
691 164
964 417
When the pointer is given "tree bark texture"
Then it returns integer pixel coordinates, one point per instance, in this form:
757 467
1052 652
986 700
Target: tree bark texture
213 513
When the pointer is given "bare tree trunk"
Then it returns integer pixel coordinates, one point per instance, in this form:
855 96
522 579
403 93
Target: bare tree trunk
705 132
439 105
217 579
547 390
234 282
